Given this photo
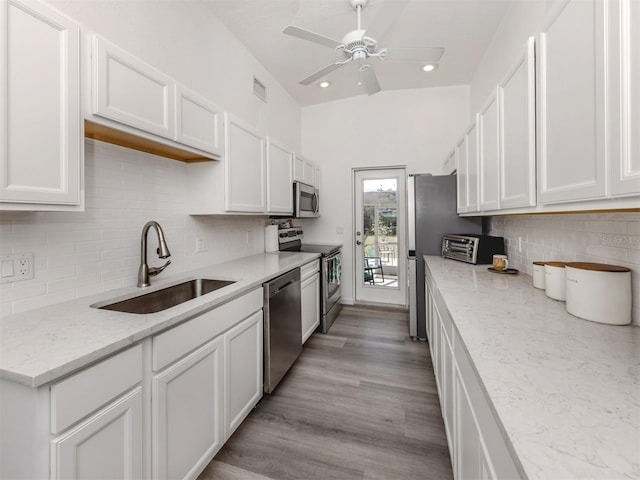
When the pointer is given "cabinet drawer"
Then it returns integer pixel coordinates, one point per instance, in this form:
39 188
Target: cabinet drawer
173 344
309 269
77 396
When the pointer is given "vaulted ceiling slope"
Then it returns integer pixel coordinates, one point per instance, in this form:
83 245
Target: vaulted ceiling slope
463 27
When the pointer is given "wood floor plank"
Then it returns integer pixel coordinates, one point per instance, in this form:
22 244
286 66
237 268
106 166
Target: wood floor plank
360 403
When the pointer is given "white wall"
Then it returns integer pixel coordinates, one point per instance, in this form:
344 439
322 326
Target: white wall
416 128
612 238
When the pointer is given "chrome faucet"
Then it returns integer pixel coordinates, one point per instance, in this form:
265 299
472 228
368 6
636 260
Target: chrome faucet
163 252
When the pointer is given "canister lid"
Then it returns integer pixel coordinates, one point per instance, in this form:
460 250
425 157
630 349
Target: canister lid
598 267
556 264
539 263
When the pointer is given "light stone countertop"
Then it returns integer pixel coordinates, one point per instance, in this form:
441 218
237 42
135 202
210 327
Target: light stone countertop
39 346
566 391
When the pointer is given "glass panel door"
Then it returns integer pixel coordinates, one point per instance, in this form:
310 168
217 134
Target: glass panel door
379 234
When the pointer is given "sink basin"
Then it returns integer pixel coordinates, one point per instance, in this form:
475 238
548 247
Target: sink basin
166 298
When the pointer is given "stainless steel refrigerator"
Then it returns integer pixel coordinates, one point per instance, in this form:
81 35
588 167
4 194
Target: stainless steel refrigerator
432 213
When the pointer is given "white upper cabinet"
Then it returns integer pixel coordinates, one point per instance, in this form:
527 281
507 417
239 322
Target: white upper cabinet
467 155
279 178
40 128
571 103
449 165
472 167
625 65
198 121
245 175
130 91
488 156
304 170
461 177
516 101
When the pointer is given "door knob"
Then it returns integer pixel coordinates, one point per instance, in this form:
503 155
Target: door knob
358 242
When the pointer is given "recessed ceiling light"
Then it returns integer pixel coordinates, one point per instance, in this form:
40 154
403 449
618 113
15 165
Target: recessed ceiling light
429 67
324 84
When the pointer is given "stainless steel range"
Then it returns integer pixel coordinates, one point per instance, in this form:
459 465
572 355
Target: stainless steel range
290 239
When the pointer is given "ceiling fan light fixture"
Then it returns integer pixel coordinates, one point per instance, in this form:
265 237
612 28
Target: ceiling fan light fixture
324 84
429 67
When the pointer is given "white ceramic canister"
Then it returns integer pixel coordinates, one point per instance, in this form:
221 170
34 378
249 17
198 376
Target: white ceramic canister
599 292
538 275
554 280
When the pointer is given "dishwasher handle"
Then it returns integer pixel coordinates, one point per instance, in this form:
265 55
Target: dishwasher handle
279 289
277 285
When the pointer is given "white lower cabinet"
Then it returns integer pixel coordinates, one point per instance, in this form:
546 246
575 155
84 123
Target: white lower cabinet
310 298
476 444
107 445
187 413
208 378
243 370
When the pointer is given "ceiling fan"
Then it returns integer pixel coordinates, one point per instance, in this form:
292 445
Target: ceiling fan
361 45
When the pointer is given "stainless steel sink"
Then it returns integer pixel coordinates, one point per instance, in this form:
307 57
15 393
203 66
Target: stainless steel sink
166 298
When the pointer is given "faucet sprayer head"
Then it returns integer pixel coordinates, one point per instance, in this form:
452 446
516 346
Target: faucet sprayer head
163 250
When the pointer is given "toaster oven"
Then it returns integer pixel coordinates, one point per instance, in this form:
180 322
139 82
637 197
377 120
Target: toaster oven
471 248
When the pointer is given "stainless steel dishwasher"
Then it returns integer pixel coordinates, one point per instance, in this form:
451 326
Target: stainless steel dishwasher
282 327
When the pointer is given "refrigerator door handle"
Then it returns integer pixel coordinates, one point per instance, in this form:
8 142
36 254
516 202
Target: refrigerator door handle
411 212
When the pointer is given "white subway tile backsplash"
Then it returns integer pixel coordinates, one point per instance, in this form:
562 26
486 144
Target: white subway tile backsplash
612 238
83 253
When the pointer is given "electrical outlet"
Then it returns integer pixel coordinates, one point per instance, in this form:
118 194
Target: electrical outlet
201 245
339 230
16 267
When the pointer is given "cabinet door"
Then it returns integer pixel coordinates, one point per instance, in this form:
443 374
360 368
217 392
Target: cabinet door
571 100
488 156
516 101
40 129
187 417
447 387
279 178
303 170
449 165
245 179
472 168
107 445
625 97
463 172
243 370
129 91
309 173
198 121
310 299
470 463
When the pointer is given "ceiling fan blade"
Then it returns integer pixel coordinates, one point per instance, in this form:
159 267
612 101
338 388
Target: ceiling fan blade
320 73
414 54
370 81
389 11
311 36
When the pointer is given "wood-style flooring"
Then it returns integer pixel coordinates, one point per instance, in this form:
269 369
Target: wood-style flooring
360 403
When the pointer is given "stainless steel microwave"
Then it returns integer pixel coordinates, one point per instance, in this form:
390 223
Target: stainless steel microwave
306 200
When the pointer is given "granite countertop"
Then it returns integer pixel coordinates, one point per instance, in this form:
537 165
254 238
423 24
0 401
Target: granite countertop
39 346
566 391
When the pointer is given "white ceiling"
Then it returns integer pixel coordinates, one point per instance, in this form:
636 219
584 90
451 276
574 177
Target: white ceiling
463 27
